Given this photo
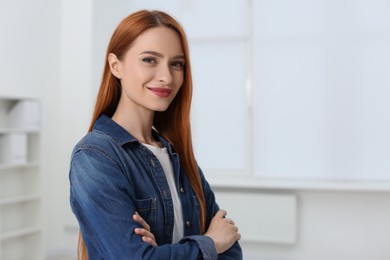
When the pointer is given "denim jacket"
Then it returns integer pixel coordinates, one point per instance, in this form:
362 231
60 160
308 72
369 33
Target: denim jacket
112 175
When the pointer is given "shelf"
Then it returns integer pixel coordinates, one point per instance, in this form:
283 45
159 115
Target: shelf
12 166
18 131
19 199
20 233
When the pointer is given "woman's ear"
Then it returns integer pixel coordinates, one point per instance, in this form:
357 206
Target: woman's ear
114 65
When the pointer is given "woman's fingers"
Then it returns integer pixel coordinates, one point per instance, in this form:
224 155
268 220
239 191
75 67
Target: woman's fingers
221 213
149 240
146 236
223 232
145 233
137 218
230 221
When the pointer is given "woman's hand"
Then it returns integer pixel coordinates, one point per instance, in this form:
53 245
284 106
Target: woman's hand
223 232
144 232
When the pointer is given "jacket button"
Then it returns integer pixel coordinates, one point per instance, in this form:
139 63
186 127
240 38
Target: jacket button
188 223
181 190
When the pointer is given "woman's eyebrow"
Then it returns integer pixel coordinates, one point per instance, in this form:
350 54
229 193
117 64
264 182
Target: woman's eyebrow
179 57
154 53
157 54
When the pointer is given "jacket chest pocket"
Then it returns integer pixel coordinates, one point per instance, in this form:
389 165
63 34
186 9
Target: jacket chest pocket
146 208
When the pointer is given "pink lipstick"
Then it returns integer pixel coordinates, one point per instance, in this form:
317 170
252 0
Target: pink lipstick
161 92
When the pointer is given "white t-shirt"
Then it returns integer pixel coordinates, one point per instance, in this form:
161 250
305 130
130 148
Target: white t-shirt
163 156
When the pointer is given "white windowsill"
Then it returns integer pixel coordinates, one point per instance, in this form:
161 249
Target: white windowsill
256 183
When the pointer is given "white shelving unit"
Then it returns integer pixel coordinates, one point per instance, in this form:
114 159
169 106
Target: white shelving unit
20 179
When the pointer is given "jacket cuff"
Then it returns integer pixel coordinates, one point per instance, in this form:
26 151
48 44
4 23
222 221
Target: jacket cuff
206 246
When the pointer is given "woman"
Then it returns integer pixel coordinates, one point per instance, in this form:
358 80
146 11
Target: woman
136 189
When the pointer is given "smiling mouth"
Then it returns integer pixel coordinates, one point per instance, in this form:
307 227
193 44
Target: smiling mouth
161 92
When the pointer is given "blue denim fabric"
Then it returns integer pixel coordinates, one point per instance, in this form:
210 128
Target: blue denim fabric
112 175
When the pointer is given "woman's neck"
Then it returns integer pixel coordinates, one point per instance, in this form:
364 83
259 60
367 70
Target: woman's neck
138 122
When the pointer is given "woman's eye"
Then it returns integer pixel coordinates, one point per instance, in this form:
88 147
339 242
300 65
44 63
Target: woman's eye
149 60
178 64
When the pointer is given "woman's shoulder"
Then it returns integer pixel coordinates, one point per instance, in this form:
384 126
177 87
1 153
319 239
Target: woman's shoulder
95 140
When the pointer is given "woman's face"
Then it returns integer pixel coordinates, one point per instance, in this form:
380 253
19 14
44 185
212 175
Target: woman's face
152 70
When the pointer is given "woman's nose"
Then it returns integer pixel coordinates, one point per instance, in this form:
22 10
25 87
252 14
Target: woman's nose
164 75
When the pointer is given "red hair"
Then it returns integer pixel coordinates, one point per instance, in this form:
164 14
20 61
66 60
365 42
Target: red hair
174 123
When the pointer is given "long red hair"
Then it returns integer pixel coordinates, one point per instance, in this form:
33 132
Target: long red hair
174 123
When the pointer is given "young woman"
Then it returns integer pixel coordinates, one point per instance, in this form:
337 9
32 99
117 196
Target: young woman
136 189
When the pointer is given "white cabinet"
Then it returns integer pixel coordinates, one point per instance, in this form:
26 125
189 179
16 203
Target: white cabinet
20 179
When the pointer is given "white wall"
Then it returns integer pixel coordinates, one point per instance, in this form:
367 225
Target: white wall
29 31
331 225
75 106
47 49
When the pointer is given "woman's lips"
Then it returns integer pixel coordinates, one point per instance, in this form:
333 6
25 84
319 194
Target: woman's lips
161 92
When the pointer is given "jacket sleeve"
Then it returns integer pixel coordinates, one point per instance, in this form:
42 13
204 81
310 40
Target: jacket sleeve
235 251
102 201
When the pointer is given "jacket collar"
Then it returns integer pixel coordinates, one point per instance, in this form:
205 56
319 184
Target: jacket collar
106 125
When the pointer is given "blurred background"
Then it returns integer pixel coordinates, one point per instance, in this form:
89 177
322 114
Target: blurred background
290 119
